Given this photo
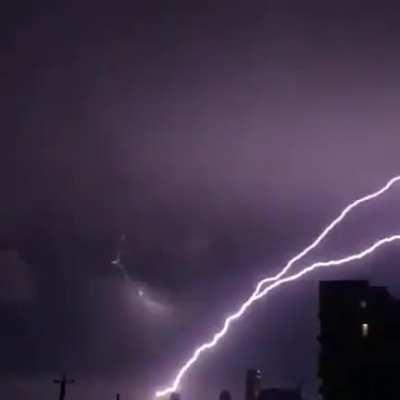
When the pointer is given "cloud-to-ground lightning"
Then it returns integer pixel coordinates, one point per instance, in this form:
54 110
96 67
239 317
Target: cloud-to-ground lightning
259 292
218 336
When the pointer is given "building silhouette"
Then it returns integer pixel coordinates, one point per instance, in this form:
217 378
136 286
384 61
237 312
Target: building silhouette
175 396
280 394
253 384
360 342
225 395
255 390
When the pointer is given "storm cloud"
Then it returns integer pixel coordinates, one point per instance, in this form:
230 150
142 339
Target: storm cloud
219 139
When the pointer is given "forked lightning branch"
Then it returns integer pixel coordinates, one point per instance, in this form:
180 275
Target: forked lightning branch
262 289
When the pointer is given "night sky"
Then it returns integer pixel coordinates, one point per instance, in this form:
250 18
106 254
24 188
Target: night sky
219 137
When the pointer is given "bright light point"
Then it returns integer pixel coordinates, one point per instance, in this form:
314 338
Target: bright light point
140 293
260 291
363 304
364 330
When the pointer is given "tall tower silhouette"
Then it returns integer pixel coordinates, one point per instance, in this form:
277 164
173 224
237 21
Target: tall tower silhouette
63 382
253 384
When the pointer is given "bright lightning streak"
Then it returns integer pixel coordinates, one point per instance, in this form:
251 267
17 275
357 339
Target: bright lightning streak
257 294
330 263
218 336
327 230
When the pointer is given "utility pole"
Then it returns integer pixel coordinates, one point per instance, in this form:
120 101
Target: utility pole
63 382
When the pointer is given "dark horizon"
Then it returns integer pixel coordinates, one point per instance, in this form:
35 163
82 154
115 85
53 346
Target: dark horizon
219 139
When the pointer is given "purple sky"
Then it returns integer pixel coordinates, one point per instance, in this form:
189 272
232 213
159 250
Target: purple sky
220 139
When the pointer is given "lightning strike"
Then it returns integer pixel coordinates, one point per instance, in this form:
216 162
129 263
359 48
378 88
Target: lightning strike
218 336
328 229
259 292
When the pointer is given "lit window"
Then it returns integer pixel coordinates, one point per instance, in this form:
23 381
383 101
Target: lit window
363 304
364 330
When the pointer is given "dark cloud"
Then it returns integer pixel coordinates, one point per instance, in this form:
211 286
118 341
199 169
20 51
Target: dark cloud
219 139
17 282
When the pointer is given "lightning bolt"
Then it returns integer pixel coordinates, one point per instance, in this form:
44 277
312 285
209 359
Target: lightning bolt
218 336
259 292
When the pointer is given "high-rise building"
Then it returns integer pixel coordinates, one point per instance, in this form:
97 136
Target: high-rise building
360 342
253 384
